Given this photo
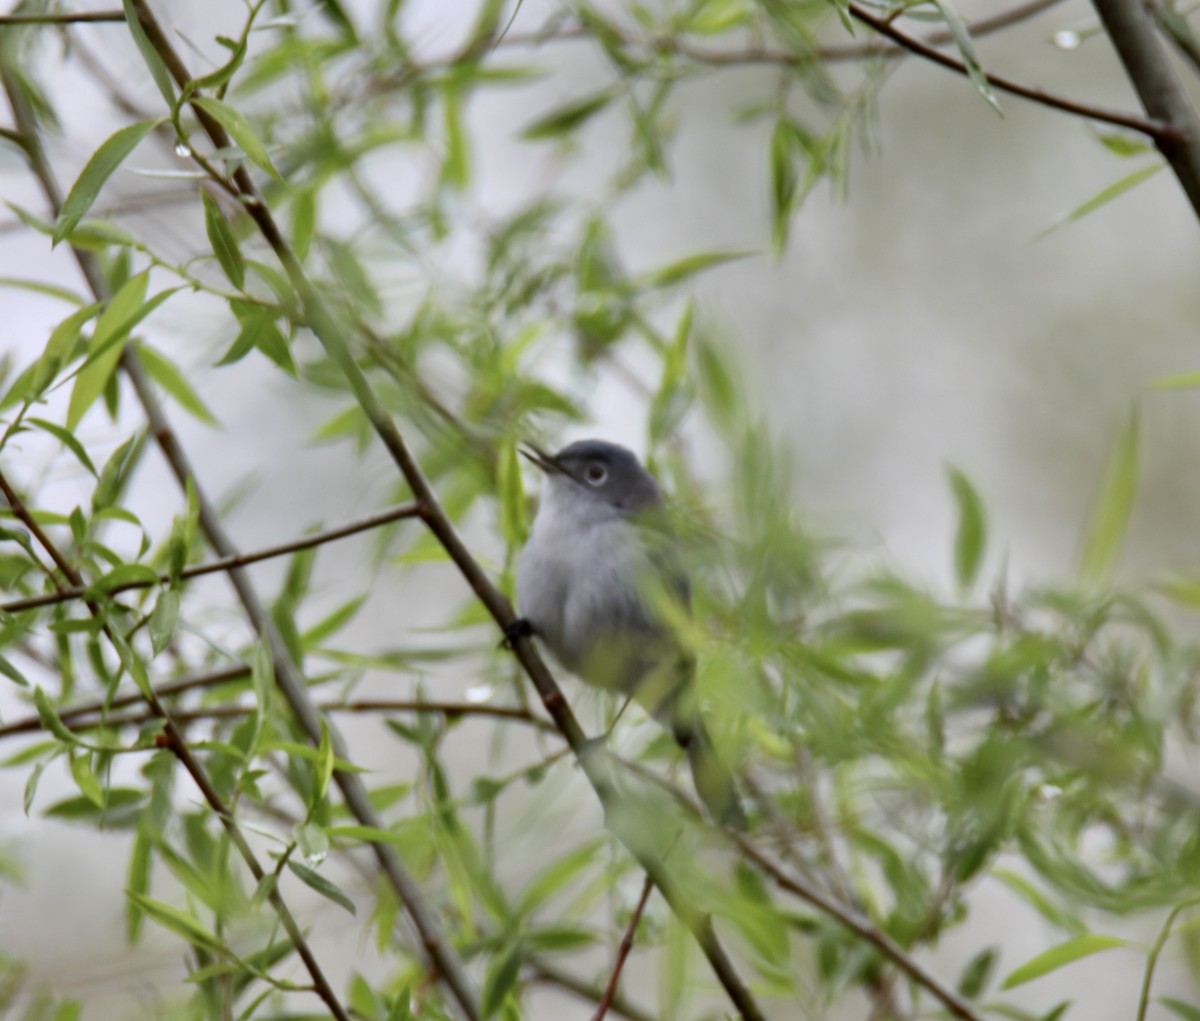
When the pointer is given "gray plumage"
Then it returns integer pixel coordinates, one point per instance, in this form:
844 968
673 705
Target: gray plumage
599 580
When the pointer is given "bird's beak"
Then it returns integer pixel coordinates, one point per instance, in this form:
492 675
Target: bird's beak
545 461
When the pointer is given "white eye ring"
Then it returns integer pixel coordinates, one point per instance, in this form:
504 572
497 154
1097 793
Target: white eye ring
595 474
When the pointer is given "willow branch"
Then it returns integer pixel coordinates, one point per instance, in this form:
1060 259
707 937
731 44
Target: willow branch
327 331
451 710
610 990
1161 130
1131 28
178 747
62 18
63 595
425 921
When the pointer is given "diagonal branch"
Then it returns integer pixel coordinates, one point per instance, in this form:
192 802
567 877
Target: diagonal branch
229 563
178 747
623 950
62 18
447 962
1162 129
327 331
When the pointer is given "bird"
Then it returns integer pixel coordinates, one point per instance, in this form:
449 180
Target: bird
601 583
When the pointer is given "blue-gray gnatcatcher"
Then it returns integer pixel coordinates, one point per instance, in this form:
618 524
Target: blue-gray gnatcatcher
598 582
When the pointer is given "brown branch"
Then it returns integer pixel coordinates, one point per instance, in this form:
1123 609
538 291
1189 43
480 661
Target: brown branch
69 714
1161 130
1131 29
845 916
397 513
329 334
623 950
861 51
64 18
287 678
451 710
173 740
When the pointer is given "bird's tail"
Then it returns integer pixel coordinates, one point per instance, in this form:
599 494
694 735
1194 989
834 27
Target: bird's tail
714 782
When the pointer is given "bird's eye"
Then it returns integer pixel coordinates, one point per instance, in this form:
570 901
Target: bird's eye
596 474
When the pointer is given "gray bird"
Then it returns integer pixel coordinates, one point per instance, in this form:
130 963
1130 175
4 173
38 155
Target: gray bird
599 580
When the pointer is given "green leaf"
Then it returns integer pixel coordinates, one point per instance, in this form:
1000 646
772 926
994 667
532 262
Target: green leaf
127 308
49 717
971 534
99 168
1183 381
322 885
89 786
687 267
59 348
552 879
126 576
41 287
31 786
167 375
67 439
164 619
313 841
224 243
1056 957
513 525
456 163
325 762
240 131
304 221
179 922
158 70
1187 1011
975 974
1113 506
566 118
1105 196
12 673
501 978
966 48
139 883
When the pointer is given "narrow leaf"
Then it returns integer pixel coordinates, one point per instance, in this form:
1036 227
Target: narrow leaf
49 717
322 885
241 132
1056 957
1113 505
966 49
179 922
163 619
971 534
1105 196
99 168
224 243
566 118
687 267
158 70
165 373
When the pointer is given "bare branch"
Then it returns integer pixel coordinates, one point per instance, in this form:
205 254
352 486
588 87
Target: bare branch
623 950
1131 28
63 18
63 595
1160 130
451 710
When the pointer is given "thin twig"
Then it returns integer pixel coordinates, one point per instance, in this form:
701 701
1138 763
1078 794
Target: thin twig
1152 958
451 710
610 990
1162 131
63 18
174 741
397 513
69 714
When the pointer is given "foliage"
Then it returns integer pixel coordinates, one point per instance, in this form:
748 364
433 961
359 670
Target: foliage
900 747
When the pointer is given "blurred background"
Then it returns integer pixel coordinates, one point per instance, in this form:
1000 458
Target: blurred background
931 315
